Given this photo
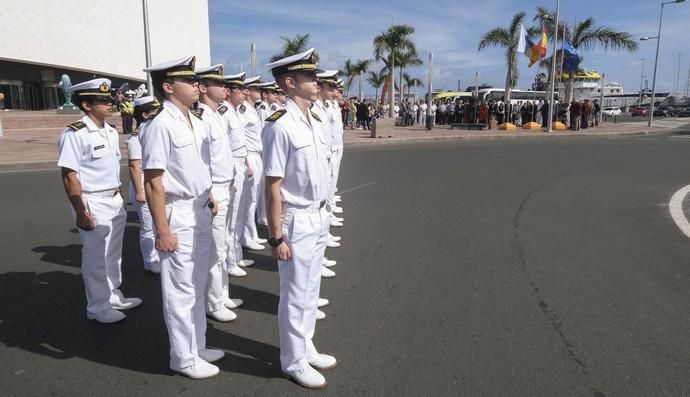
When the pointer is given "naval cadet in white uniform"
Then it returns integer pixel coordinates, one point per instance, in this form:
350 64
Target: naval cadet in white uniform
235 97
178 191
221 163
265 108
322 108
89 156
297 179
253 126
144 108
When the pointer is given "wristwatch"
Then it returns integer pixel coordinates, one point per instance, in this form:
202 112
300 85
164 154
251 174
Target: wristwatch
274 242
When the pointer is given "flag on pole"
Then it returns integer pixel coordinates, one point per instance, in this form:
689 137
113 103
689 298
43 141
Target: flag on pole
571 60
533 51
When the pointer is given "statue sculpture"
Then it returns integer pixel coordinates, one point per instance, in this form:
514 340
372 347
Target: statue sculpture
66 86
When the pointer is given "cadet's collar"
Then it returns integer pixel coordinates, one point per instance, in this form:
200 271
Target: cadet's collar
208 108
296 112
174 111
91 126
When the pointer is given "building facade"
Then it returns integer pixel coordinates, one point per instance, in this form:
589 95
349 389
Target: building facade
44 39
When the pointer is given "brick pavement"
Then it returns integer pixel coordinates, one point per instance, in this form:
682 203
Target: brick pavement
30 138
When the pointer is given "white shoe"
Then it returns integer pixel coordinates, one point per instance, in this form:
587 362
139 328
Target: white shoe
199 370
328 262
107 316
327 273
335 223
320 315
245 262
122 303
323 362
211 355
339 219
261 241
337 210
233 303
307 377
126 303
254 246
323 302
332 244
223 315
334 238
337 199
236 272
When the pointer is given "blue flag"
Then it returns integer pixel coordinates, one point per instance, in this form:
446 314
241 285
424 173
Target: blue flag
571 60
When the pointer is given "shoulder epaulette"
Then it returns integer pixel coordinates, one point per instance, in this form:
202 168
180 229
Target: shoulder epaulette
276 115
315 116
77 125
262 107
111 124
222 109
136 131
197 112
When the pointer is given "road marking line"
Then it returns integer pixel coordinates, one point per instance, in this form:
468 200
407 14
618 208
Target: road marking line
352 189
675 207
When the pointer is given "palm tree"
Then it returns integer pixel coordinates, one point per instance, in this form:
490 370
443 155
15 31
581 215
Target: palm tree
585 36
361 67
405 59
376 80
292 46
506 38
411 82
349 71
394 40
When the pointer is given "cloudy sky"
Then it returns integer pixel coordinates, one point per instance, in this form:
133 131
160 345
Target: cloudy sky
451 29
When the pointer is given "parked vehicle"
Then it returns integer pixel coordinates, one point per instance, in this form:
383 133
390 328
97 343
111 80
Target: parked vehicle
684 113
639 111
664 111
611 111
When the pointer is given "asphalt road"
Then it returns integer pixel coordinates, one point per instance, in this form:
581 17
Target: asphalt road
541 267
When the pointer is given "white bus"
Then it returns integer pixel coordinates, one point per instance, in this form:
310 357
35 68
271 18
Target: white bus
497 94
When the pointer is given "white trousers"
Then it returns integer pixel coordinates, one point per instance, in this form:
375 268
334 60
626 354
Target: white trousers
147 238
184 274
218 288
261 215
306 233
234 246
251 197
336 158
101 253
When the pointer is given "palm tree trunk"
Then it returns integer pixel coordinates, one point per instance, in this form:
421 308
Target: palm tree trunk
402 92
392 86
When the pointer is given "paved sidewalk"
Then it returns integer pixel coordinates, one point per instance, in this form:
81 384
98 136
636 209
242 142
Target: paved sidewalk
35 148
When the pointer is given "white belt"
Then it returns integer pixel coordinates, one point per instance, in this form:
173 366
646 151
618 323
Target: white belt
201 200
103 193
310 208
226 183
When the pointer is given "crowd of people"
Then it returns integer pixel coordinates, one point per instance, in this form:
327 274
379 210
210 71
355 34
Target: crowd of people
577 115
214 157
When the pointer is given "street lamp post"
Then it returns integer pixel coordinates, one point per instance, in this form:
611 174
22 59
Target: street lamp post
639 101
656 59
147 45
